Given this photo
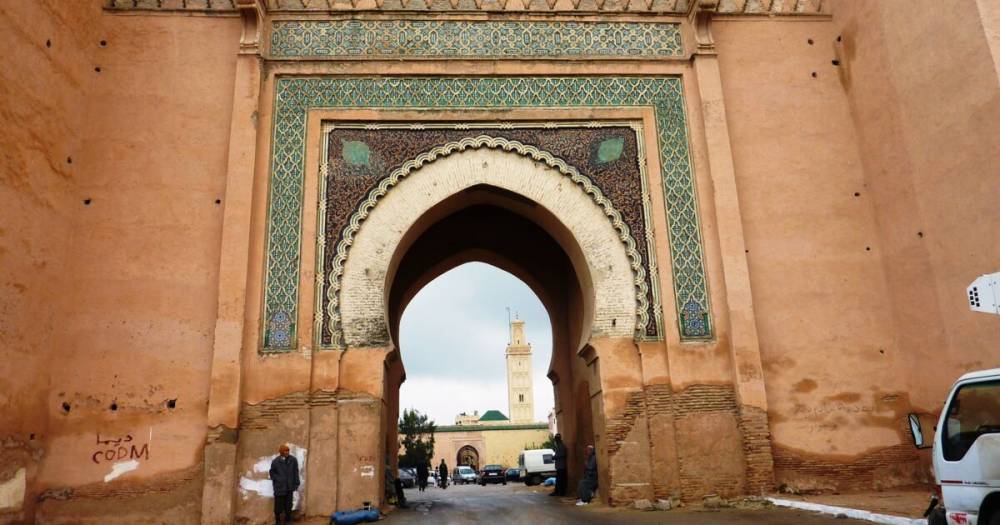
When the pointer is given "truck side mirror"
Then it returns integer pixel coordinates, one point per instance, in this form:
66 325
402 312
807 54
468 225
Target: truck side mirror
916 431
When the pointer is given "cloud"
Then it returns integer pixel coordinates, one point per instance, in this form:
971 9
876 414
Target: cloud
453 336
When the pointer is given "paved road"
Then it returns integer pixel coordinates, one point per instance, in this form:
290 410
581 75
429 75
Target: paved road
517 504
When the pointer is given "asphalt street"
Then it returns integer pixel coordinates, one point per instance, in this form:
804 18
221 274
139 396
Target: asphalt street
518 504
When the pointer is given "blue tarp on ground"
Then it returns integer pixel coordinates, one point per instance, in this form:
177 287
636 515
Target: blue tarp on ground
353 517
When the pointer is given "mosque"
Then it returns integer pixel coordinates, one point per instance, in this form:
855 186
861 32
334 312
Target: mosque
494 438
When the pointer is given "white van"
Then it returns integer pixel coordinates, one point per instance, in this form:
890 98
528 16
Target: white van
536 465
967 451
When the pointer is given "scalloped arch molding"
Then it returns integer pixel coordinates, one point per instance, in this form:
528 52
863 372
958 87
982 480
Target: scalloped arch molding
514 167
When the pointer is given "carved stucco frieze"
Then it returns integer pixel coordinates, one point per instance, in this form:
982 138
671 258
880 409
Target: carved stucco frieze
731 7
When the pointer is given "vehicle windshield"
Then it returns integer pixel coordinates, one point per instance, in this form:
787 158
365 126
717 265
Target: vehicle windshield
466 470
493 467
974 411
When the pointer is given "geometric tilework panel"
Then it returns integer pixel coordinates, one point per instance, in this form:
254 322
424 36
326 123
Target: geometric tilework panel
485 39
363 155
295 96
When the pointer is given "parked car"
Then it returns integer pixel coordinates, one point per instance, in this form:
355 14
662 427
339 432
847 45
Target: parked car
513 474
966 452
492 474
462 475
408 477
536 465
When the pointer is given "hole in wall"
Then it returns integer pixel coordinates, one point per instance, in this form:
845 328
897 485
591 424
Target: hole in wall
839 38
920 234
881 351
810 41
69 160
104 43
218 201
835 62
86 202
65 407
31 436
868 248
857 194
614 322
171 403
114 406
48 43
97 69
814 75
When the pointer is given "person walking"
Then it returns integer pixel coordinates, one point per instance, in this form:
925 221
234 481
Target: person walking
585 490
284 476
443 474
560 459
422 473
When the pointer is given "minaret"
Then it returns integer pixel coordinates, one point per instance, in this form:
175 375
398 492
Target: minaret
519 391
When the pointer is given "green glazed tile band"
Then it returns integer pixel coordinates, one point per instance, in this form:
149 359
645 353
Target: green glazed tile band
295 96
484 39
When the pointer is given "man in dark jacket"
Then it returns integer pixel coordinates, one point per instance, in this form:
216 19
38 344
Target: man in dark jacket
589 482
443 474
560 459
285 479
422 473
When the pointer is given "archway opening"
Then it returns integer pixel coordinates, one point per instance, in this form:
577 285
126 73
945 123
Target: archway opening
487 224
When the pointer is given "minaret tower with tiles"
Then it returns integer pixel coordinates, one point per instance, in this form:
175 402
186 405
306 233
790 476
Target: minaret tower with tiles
521 401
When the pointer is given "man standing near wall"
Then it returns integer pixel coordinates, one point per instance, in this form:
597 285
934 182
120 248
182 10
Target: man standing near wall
285 479
560 459
589 482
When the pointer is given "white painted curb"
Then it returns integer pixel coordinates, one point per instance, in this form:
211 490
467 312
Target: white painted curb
850 513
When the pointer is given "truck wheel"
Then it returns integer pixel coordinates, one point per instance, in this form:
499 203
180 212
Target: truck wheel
534 480
937 517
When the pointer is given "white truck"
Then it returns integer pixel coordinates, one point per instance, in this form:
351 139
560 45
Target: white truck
966 452
536 465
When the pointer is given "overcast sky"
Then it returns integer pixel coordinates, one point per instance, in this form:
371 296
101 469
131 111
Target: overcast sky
453 336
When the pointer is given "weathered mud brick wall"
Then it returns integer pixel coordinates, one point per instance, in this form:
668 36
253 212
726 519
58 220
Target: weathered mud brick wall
709 449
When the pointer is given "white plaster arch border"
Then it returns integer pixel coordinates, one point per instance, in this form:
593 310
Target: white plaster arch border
356 285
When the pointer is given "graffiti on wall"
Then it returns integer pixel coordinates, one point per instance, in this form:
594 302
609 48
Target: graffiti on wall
122 452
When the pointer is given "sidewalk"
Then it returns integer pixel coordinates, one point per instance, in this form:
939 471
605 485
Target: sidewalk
905 502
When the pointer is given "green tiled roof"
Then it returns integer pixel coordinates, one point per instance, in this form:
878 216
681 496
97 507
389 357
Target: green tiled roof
493 415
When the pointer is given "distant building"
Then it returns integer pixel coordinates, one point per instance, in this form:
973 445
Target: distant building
467 419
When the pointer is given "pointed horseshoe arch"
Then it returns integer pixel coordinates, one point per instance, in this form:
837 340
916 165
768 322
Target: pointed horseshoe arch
381 220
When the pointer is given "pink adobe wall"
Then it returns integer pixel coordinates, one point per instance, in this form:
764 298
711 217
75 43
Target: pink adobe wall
925 98
42 99
821 299
109 264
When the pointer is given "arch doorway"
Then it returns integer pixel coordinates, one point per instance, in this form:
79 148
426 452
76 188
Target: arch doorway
527 218
468 456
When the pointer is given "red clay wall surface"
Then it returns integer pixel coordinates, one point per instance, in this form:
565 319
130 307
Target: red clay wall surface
924 93
112 195
864 145
43 87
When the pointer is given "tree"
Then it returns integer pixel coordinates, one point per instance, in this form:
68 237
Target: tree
418 438
548 443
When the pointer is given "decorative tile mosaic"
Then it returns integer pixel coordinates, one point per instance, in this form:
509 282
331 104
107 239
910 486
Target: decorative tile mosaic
602 157
482 39
295 96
